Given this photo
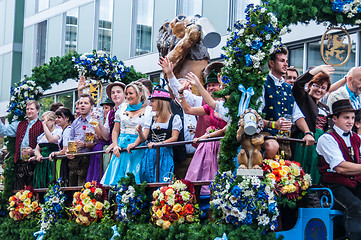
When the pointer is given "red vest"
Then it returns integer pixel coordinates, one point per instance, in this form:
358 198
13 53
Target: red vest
333 177
34 132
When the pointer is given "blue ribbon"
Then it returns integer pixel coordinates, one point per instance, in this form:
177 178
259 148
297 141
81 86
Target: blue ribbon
115 232
249 61
224 237
240 105
39 234
249 94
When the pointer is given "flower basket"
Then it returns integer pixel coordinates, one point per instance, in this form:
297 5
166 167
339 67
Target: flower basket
291 182
90 204
175 203
23 205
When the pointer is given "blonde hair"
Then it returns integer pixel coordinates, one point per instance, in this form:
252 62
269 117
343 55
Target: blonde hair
50 115
140 90
163 108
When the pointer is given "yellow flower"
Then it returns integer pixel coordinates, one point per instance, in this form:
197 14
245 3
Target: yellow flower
166 224
181 219
271 176
10 198
169 192
27 202
34 204
27 211
11 214
86 208
21 210
88 185
286 168
283 172
159 222
285 189
292 188
274 164
83 196
159 213
190 218
78 221
282 162
78 208
177 207
99 206
155 194
23 197
306 184
18 194
12 203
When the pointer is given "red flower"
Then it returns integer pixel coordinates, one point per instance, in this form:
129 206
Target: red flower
188 209
190 186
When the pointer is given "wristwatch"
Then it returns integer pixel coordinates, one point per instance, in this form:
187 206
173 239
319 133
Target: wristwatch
310 133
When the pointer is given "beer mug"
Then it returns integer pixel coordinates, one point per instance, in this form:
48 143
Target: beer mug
24 157
250 123
72 146
95 117
286 133
89 135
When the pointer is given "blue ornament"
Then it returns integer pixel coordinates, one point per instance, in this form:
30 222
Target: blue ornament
249 61
256 45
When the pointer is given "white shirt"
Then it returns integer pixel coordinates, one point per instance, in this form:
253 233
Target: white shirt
329 149
192 99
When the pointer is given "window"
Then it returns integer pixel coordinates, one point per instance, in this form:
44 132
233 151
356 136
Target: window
45 103
71 30
66 99
41 43
142 26
189 7
105 25
42 5
295 58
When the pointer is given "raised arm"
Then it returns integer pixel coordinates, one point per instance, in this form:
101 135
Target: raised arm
193 79
51 138
197 111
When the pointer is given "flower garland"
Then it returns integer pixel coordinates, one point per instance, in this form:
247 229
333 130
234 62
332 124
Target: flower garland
245 200
22 205
23 91
131 200
291 181
89 204
54 206
101 66
248 47
175 203
336 12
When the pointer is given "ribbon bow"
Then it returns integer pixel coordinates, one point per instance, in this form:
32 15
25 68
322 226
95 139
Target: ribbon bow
115 232
224 237
39 234
245 98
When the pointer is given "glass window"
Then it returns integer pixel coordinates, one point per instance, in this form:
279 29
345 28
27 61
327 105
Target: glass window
239 7
45 103
189 7
295 58
71 30
143 23
315 59
42 5
41 43
105 25
66 99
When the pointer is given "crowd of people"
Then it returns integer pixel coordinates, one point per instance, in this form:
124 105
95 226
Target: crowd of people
306 107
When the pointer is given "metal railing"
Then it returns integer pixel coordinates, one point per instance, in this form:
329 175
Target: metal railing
158 152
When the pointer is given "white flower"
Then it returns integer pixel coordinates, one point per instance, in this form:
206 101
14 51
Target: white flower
284 30
248 43
125 198
98 191
55 199
240 32
346 8
263 10
358 21
83 57
179 186
171 200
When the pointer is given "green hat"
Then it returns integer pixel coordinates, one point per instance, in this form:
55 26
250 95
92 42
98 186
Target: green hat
108 102
211 78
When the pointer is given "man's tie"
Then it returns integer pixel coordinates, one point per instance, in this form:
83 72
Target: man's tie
345 134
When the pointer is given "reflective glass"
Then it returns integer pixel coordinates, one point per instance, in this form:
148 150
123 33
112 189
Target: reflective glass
105 25
71 30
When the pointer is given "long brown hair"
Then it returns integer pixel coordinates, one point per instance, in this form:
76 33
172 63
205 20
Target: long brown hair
163 109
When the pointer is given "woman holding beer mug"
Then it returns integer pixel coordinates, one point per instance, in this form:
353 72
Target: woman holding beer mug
64 118
315 112
47 143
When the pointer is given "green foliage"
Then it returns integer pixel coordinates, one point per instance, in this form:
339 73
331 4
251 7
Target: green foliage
294 11
132 75
9 175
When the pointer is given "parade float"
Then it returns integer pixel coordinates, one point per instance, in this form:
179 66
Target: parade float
243 206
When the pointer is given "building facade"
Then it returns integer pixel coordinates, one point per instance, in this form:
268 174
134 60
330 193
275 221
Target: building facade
41 29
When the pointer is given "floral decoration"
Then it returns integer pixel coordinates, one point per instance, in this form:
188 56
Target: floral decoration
23 205
245 200
101 66
53 208
291 181
131 200
23 91
90 204
247 50
175 203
